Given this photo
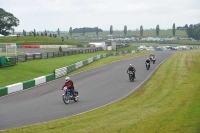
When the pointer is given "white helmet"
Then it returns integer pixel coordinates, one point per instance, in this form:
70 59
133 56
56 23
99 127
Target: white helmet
147 58
67 78
130 64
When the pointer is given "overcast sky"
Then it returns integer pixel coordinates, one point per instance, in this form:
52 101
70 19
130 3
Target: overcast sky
63 14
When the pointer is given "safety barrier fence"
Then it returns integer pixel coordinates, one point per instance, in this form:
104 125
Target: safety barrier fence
64 70
56 74
26 84
27 57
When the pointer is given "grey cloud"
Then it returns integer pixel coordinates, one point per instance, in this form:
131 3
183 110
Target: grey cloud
53 14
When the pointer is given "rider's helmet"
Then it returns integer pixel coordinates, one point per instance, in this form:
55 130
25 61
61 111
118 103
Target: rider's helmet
147 58
130 65
67 79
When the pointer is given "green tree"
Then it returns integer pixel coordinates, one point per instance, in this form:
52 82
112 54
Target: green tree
13 31
45 33
194 31
191 26
111 30
58 32
173 29
83 31
125 30
70 31
157 30
34 32
186 26
87 29
24 32
7 22
97 31
141 30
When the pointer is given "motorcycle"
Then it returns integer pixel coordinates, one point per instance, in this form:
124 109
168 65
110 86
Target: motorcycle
147 66
67 96
153 60
131 76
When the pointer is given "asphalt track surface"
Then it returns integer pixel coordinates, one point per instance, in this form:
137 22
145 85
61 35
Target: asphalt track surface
97 87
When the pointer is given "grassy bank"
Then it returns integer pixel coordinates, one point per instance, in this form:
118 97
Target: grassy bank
168 102
31 69
38 40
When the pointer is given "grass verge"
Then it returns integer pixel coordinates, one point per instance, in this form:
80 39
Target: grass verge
38 40
171 106
32 69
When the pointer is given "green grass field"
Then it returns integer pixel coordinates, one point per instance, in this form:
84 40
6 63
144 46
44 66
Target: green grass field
35 68
83 41
38 40
32 69
166 103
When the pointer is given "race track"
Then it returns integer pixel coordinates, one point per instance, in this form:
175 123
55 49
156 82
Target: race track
97 87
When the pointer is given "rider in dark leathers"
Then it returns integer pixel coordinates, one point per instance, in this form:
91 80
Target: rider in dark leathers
131 68
148 61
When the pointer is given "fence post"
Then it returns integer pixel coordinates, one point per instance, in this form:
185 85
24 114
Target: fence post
17 58
25 57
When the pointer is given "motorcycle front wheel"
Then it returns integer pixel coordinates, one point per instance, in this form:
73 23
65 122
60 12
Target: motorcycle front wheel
131 78
66 98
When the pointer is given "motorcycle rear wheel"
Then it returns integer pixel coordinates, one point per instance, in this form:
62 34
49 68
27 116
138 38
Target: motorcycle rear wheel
75 96
131 79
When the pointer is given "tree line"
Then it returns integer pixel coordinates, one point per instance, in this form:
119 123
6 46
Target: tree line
8 21
193 31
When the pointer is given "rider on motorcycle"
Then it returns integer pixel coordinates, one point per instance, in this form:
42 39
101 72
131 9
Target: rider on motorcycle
148 61
131 68
154 57
151 56
69 85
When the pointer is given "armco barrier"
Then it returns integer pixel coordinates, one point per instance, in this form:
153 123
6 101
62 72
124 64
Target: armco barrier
26 84
40 80
57 73
3 91
50 77
15 87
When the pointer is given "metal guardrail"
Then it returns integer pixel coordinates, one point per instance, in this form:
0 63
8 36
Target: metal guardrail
27 57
